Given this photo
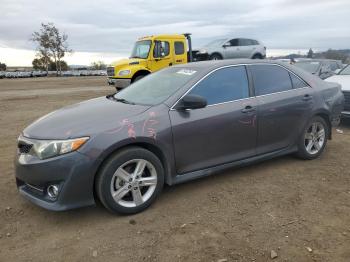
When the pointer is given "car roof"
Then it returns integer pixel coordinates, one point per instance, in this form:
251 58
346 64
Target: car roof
212 64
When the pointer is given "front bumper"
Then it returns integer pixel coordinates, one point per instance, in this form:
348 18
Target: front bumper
73 173
119 82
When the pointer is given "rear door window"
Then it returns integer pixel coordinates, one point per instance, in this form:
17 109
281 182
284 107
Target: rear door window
269 79
223 85
179 48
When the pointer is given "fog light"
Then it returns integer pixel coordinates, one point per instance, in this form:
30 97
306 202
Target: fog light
52 191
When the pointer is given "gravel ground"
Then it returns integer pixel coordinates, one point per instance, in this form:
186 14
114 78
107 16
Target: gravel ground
300 210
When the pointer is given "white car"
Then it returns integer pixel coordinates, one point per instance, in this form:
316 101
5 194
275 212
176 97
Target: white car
343 78
234 48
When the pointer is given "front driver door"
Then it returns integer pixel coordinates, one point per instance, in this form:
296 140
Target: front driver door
165 58
224 131
231 49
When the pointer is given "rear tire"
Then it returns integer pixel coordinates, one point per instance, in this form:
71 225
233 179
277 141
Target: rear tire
313 139
257 56
130 181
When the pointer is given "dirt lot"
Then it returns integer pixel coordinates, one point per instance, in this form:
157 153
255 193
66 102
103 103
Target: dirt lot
286 205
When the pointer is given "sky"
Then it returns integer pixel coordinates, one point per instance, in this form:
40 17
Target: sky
106 30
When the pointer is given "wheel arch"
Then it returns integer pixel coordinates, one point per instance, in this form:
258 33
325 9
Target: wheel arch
257 54
141 144
326 118
142 72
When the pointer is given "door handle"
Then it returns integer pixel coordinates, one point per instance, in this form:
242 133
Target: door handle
248 109
307 97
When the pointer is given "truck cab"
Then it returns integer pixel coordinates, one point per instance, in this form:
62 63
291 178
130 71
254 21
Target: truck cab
150 54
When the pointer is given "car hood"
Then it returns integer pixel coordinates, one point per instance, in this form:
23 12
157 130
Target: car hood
343 80
83 119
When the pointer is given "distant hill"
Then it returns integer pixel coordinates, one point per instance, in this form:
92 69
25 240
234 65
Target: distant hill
340 54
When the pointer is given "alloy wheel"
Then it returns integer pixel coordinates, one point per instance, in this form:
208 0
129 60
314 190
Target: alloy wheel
134 183
314 138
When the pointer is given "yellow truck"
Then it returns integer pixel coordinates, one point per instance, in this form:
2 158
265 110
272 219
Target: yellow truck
150 54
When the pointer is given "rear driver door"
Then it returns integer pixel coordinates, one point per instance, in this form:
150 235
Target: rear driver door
285 104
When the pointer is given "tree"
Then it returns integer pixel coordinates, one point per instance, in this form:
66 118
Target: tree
336 55
41 64
51 45
62 65
3 67
310 54
99 65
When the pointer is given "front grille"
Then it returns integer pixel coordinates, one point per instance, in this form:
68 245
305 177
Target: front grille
24 148
347 100
110 71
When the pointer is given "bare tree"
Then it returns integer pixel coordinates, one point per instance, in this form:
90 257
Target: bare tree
51 44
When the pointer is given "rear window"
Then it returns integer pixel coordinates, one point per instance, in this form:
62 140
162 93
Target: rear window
270 79
179 48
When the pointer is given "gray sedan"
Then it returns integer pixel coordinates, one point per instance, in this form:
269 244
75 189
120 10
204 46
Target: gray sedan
175 125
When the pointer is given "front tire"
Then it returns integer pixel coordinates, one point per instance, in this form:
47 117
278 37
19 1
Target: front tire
313 139
130 181
215 57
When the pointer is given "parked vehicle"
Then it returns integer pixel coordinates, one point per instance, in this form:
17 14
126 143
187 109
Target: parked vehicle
178 124
2 74
343 78
322 68
234 48
150 54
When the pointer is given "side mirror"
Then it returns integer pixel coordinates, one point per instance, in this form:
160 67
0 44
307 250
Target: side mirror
225 45
191 102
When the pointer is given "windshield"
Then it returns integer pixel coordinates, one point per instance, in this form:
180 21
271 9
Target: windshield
216 42
345 71
157 87
311 67
141 49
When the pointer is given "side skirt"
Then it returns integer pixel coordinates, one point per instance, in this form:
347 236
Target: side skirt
216 169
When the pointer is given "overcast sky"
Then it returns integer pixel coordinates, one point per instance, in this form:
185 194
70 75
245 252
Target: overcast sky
107 29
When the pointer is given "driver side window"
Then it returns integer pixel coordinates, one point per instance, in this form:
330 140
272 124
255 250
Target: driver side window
234 42
164 49
223 85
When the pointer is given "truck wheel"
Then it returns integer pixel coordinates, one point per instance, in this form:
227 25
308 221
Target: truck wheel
130 181
138 78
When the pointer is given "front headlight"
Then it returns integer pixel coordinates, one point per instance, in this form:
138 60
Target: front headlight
124 72
202 51
50 148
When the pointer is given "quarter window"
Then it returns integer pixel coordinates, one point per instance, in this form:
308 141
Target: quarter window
297 82
223 85
179 48
270 79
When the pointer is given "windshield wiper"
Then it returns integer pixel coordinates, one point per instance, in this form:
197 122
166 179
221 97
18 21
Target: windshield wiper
121 100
